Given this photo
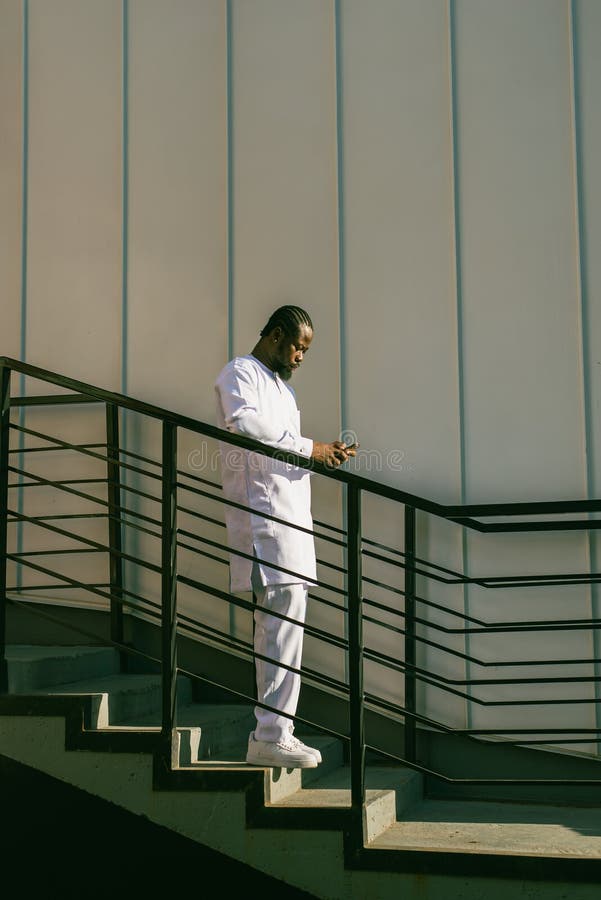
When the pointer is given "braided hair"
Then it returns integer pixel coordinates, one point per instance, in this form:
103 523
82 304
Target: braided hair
289 319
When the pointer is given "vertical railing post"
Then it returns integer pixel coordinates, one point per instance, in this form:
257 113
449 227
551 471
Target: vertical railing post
169 584
410 656
115 539
4 445
355 636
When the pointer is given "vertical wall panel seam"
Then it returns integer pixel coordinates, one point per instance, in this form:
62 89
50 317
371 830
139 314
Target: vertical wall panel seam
229 179
340 219
583 321
229 212
456 265
123 436
125 195
24 256
342 321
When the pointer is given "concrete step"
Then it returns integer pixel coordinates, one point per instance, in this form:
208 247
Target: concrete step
390 791
122 699
224 727
33 667
503 828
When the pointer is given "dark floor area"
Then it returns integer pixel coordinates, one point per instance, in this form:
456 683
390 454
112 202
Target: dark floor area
59 842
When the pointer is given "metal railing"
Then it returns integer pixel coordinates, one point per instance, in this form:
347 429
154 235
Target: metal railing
417 624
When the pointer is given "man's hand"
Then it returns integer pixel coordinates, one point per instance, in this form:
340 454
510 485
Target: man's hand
332 455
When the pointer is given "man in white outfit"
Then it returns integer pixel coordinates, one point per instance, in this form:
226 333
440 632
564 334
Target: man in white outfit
253 398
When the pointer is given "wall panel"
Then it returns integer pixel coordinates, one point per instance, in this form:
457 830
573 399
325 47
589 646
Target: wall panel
176 286
587 72
400 357
74 216
11 149
524 426
284 204
176 306
520 303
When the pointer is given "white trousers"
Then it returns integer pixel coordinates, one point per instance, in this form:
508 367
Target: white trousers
283 642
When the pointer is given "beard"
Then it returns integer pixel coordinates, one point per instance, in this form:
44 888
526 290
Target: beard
285 372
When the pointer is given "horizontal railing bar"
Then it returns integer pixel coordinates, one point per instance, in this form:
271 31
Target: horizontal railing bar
249 509
516 527
140 598
56 552
215 636
134 525
200 628
542 579
331 603
470 733
226 548
60 487
120 553
200 479
74 583
75 447
253 702
244 604
486 627
147 459
384 607
443 684
418 559
490 581
47 587
558 732
452 512
335 528
271 565
223 435
467 657
56 482
52 399
523 742
521 508
90 497
540 782
218 559
71 516
204 553
79 447
431 603
458 579
60 576
593 579
199 515
315 534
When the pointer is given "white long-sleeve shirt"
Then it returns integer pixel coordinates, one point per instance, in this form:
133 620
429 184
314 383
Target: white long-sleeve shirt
254 401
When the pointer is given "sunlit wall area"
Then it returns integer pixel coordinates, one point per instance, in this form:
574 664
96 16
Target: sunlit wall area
421 175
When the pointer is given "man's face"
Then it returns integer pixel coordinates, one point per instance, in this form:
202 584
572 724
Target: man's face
290 351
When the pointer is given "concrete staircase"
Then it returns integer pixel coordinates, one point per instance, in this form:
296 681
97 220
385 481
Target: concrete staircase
71 714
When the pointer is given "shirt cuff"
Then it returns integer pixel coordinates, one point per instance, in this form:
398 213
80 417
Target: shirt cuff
304 447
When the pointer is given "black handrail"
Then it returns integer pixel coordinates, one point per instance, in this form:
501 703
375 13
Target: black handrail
357 547
450 512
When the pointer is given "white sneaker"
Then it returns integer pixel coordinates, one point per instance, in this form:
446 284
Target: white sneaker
284 754
300 746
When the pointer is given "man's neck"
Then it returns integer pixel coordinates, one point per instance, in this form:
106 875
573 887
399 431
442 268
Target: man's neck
259 354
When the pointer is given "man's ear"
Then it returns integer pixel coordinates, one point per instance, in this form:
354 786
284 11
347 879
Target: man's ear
277 333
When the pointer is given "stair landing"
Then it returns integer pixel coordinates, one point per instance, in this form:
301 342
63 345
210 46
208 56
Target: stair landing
505 828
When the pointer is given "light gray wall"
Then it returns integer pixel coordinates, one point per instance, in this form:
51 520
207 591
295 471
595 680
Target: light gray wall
422 175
